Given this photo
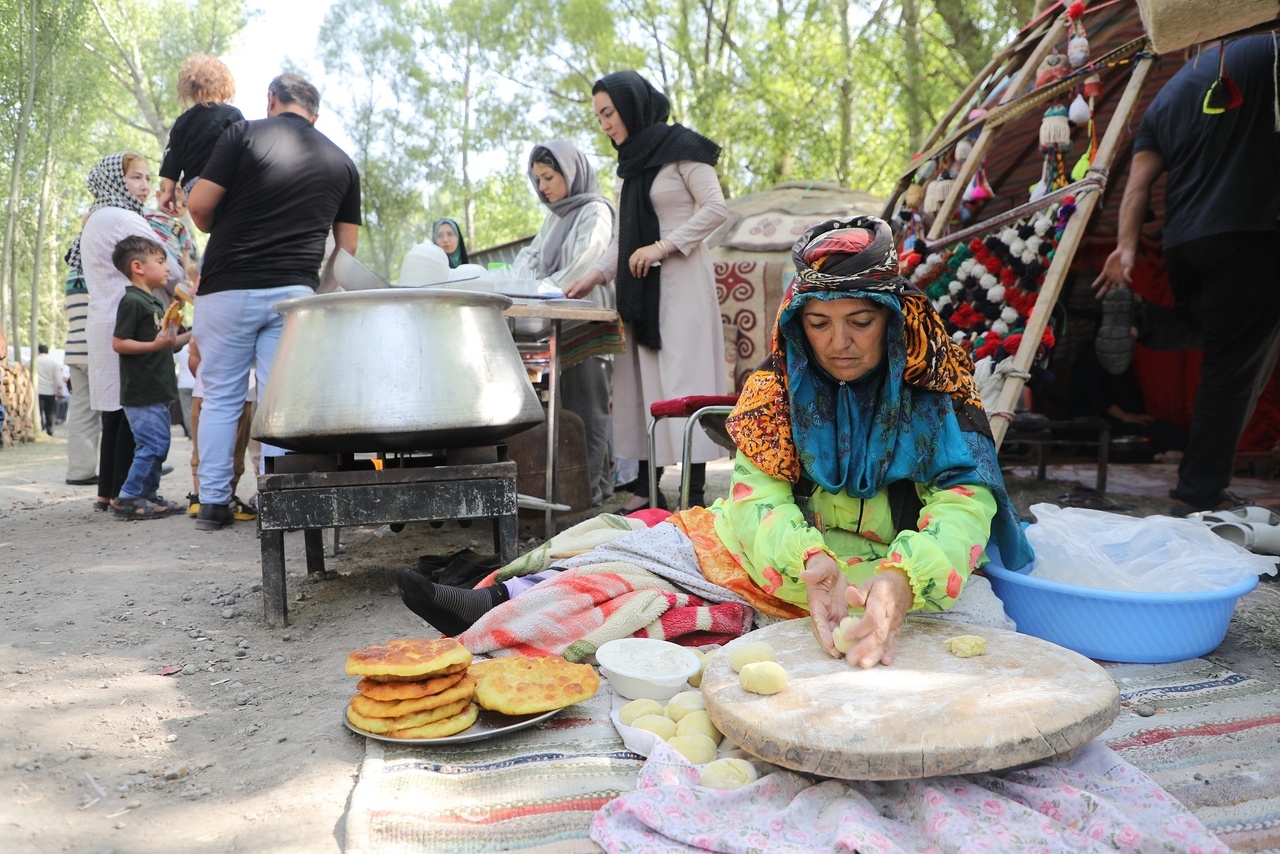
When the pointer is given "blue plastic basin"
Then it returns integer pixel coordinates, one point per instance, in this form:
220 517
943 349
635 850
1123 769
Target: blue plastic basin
1118 625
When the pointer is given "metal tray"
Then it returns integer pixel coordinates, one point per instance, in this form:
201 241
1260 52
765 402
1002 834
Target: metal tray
488 725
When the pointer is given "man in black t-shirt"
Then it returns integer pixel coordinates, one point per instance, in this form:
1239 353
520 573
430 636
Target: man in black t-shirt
1222 250
268 196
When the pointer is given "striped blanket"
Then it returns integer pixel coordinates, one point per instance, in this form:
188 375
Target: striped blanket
1214 744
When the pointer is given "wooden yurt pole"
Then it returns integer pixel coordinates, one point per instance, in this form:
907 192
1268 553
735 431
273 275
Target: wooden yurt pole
1063 255
967 169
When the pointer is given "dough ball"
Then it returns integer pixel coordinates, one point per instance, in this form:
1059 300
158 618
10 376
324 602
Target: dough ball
660 725
638 709
966 646
728 773
684 703
763 677
696 679
741 654
699 722
698 749
843 644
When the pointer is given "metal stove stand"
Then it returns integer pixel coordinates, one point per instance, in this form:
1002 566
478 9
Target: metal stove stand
311 492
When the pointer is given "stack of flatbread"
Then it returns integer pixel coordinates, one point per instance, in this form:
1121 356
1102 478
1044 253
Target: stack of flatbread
431 688
413 688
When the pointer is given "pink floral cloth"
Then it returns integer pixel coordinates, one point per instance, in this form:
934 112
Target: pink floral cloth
1096 802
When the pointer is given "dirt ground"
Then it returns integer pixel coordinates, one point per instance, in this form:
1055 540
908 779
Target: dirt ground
243 747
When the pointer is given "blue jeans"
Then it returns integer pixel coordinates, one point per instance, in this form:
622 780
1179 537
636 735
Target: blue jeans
235 331
150 427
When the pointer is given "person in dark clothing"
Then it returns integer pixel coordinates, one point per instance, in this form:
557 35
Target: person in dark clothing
268 197
206 84
1118 398
1222 249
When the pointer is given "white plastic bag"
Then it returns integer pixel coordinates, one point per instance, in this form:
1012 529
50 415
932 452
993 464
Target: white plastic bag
1158 554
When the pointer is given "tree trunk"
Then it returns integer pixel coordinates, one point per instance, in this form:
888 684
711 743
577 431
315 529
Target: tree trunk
912 75
969 43
37 254
8 269
845 88
468 194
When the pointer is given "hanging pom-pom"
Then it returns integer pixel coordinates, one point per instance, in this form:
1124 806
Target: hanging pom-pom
1092 87
936 193
1075 11
1009 314
1078 51
1079 113
963 148
1052 69
1223 93
926 171
996 294
1055 129
1081 168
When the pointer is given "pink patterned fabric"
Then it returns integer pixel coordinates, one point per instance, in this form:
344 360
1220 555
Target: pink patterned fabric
1095 803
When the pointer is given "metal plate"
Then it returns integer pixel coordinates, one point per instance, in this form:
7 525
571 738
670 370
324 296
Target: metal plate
488 725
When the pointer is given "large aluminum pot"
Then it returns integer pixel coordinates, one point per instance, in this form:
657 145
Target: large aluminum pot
395 370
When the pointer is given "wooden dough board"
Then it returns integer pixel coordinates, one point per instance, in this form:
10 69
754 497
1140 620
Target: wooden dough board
928 714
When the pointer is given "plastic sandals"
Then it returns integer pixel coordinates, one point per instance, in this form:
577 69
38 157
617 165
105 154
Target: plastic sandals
139 508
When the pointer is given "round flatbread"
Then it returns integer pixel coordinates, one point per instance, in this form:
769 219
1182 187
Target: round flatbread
521 685
406 690
441 728
408 659
435 674
463 689
386 726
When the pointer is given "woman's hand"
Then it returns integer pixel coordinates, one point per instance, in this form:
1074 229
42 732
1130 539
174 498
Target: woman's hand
584 285
643 259
825 587
887 597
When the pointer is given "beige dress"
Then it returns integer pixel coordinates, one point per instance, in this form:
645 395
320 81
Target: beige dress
690 205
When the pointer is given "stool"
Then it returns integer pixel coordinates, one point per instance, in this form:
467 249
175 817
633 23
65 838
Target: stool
1029 428
694 408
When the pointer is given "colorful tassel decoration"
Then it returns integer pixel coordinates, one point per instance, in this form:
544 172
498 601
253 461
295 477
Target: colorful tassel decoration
963 149
1223 93
1055 130
1092 87
1052 69
936 193
1079 113
1078 52
914 197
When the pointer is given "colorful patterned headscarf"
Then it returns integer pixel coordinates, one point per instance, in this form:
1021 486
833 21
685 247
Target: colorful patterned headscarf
106 182
916 417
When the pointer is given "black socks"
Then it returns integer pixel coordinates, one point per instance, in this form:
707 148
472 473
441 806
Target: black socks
450 610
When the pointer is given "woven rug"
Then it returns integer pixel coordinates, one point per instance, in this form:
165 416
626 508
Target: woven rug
532 791
1214 744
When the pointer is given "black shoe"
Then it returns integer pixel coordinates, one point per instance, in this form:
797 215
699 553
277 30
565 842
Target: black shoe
1114 344
84 481
212 517
164 470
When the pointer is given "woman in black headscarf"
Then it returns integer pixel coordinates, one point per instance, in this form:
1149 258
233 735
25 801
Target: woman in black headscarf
669 202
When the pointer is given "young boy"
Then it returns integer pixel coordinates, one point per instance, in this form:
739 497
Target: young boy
148 383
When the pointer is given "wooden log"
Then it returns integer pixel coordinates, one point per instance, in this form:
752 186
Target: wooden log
1071 237
18 392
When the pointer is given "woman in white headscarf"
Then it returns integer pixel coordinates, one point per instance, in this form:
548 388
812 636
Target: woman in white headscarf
576 232
119 184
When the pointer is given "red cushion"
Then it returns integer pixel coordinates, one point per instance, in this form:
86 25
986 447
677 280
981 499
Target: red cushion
683 407
651 515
